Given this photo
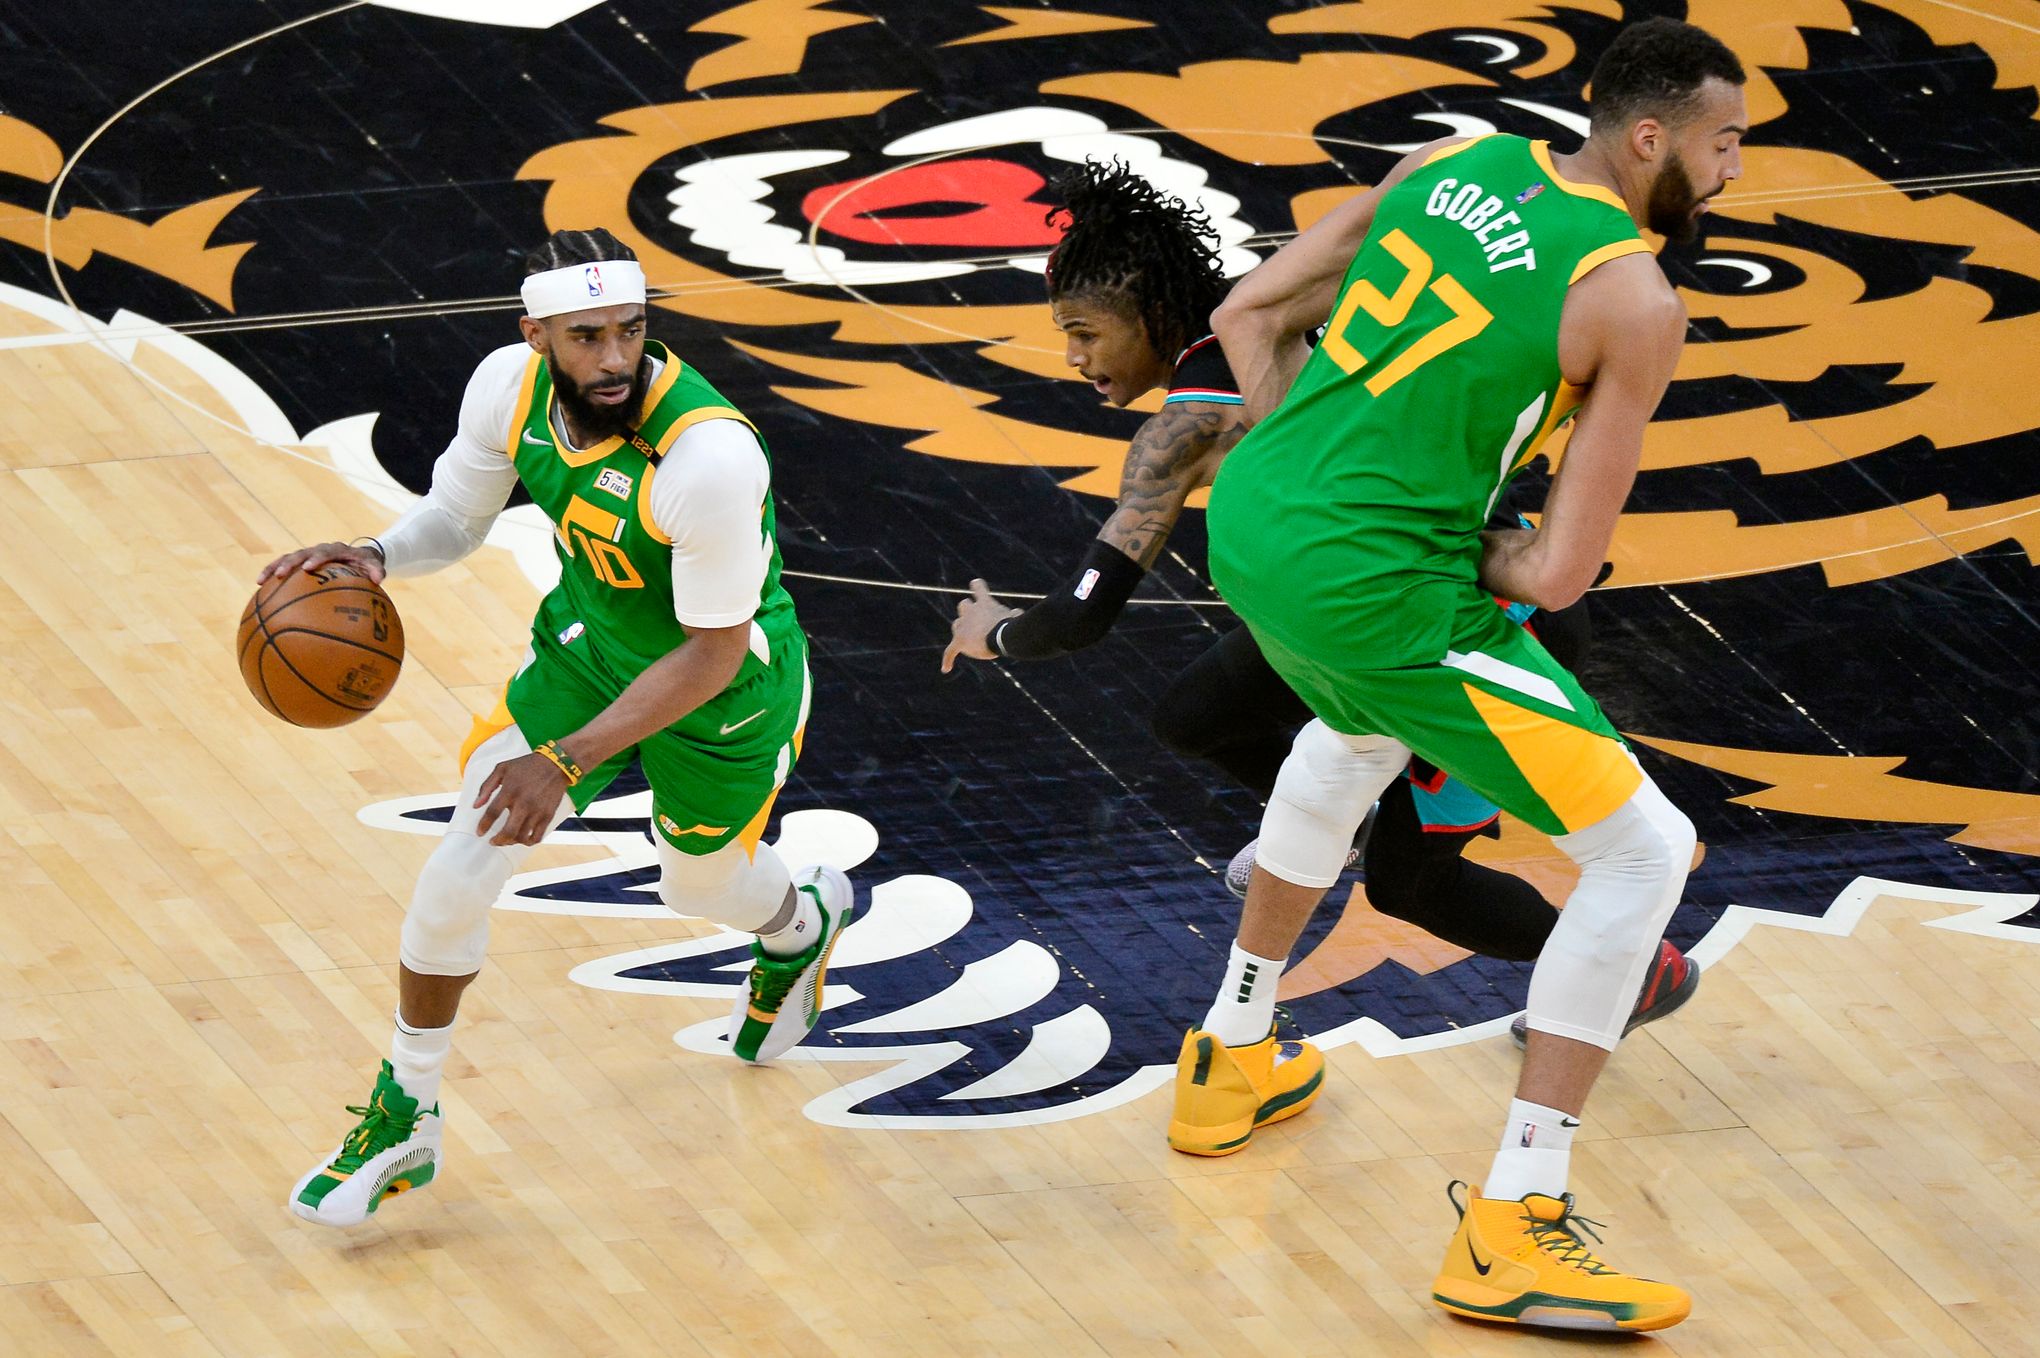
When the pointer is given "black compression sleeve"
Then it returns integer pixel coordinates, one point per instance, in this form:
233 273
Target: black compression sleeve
1075 614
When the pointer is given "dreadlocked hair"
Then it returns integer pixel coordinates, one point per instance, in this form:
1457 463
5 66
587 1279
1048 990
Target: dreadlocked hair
565 249
1123 235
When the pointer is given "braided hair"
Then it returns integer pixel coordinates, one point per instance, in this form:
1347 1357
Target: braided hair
564 249
1123 235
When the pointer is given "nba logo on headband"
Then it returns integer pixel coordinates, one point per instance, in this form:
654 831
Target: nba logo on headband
578 287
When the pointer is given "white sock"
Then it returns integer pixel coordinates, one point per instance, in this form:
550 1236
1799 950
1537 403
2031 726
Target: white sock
1536 1152
794 929
1245 1008
418 1059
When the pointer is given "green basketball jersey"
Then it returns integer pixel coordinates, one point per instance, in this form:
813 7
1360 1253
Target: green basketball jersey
612 613
1436 380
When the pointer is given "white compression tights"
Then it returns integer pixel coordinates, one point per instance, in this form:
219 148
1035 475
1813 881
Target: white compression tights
1633 866
1323 790
446 929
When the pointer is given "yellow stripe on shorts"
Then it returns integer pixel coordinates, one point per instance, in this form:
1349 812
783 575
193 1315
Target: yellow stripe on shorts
755 831
484 728
1583 776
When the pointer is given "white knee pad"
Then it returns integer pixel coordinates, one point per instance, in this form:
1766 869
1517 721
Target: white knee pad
729 886
446 928
1324 789
1633 867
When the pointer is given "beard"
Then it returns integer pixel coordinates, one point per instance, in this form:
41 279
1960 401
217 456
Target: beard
1670 211
591 419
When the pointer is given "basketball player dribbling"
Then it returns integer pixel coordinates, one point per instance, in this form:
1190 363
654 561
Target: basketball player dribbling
668 636
1487 291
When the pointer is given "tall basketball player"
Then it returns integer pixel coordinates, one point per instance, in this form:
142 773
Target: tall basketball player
668 637
1132 285
1487 291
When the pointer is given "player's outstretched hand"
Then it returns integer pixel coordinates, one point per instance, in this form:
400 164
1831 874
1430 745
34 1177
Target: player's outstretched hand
976 616
364 559
521 795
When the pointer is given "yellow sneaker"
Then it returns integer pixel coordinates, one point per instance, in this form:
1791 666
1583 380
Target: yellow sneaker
1223 1093
1524 1263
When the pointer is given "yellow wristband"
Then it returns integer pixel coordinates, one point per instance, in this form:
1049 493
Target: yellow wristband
551 750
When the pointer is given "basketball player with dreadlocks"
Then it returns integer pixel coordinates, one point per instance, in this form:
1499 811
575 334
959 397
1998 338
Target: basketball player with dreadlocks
1132 285
668 637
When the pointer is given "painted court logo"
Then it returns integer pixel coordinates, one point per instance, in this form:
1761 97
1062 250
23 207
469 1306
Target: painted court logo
965 1015
845 218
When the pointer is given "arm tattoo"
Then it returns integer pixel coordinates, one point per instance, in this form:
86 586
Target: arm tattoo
1175 452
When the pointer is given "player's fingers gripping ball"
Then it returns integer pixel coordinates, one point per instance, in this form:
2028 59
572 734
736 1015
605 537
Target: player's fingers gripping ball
322 647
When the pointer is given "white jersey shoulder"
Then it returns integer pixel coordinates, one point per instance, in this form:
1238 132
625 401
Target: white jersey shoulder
490 402
708 497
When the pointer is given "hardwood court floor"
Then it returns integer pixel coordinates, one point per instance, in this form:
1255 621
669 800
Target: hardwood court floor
1834 1147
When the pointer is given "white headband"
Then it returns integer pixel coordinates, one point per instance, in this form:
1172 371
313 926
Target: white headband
611 282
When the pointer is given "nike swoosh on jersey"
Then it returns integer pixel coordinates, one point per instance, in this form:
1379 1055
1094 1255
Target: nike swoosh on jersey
543 443
746 721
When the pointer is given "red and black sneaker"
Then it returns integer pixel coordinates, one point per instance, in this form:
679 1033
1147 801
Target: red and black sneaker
1670 982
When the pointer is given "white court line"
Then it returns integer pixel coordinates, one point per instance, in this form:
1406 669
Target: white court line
1985 14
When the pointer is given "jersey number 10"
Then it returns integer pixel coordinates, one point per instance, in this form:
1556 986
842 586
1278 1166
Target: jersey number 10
594 532
1467 319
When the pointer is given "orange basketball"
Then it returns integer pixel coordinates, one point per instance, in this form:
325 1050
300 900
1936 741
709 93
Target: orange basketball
321 647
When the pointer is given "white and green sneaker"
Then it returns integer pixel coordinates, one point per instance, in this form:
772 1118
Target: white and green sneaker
784 998
393 1149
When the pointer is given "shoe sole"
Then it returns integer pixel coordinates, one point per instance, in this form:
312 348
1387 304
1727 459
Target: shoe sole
843 921
1674 1001
1670 1003
398 1185
1543 1311
1280 1108
821 980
